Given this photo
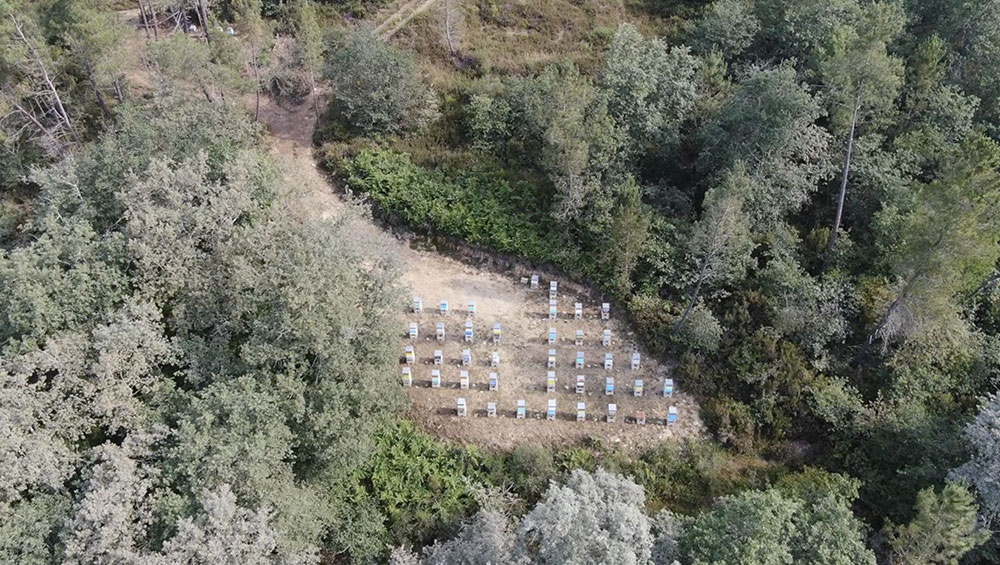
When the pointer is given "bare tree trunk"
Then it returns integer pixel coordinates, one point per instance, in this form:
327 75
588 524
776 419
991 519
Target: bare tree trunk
452 24
713 250
50 85
693 298
843 179
145 20
312 92
119 91
990 281
904 294
43 132
697 287
100 98
872 337
61 108
448 23
203 16
97 92
254 63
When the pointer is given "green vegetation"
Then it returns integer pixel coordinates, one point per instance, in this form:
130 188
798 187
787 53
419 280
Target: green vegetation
481 206
796 202
375 87
800 207
415 490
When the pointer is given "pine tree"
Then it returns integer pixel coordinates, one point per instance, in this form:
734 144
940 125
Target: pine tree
943 530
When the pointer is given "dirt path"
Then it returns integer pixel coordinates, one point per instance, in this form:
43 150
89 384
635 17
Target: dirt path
522 313
392 13
401 16
406 19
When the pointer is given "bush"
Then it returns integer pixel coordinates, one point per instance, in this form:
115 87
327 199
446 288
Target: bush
481 206
732 422
376 88
422 485
530 467
702 332
688 477
655 319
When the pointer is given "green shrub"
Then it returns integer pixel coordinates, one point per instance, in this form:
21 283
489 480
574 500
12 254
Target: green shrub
481 206
529 467
655 320
732 422
376 88
577 458
688 477
422 485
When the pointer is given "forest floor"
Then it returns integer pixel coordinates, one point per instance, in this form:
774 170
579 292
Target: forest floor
500 297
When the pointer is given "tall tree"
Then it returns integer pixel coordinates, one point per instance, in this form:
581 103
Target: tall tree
489 538
308 44
566 117
720 243
452 24
559 124
110 520
223 532
971 31
28 526
727 27
943 530
774 528
32 97
862 81
624 236
982 436
255 42
377 89
925 71
650 89
813 312
593 518
168 286
947 243
96 38
182 58
769 123
796 30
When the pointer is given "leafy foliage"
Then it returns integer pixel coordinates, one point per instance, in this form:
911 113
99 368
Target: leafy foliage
773 527
482 207
943 530
981 470
592 519
376 88
164 308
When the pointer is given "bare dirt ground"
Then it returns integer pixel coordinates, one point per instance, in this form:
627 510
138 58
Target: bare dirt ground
523 315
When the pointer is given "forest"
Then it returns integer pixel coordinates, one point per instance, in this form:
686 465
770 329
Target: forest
795 204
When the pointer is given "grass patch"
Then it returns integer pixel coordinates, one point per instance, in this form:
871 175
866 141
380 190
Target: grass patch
504 37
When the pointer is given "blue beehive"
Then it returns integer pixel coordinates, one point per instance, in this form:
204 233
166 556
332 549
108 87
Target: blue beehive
668 388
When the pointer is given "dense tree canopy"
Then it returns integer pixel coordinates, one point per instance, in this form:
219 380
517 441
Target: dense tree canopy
165 308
